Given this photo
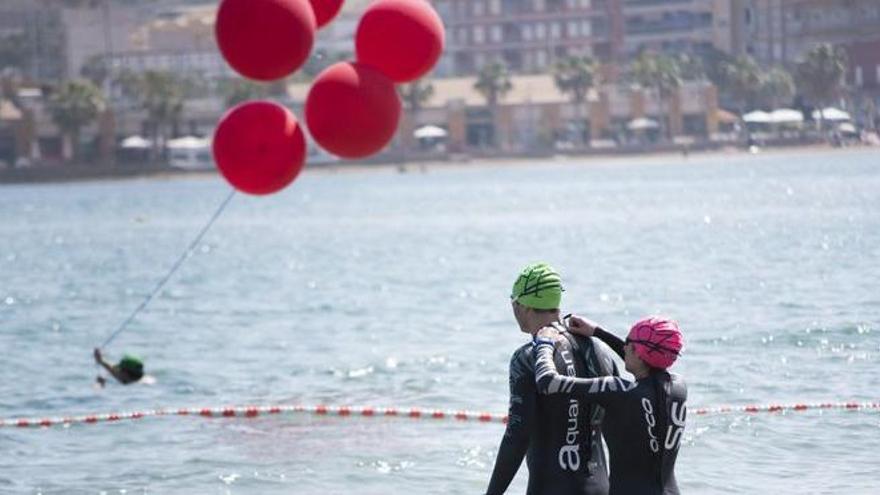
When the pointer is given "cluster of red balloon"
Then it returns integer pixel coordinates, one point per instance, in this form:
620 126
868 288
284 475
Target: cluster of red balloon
352 109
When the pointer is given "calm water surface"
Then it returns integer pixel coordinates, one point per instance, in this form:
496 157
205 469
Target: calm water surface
392 289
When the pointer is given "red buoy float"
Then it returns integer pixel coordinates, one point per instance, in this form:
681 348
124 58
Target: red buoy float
352 110
325 11
259 147
265 40
402 38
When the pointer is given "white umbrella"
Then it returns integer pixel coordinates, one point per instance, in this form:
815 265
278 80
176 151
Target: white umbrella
430 131
786 116
847 128
187 143
831 113
641 124
135 143
758 117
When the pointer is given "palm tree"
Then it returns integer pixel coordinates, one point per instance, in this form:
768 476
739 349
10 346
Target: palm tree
237 91
777 87
575 76
159 94
741 79
74 105
660 73
414 96
493 83
820 75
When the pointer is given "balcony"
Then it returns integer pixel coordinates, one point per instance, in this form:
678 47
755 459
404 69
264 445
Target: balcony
669 25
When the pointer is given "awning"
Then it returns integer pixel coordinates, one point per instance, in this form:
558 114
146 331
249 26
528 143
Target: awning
641 124
847 128
726 117
758 117
135 143
831 113
430 131
187 143
786 116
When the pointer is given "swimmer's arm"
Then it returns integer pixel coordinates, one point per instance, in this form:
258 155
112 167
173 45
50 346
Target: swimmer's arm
614 342
601 390
521 416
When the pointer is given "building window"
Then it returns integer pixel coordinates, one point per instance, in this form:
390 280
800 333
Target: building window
859 81
479 60
495 7
496 34
527 32
541 59
586 28
555 30
478 8
540 31
877 75
479 34
573 29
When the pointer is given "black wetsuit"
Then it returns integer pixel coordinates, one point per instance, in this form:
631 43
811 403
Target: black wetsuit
643 425
560 435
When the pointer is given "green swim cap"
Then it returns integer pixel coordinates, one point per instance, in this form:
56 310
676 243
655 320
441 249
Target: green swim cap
538 286
132 365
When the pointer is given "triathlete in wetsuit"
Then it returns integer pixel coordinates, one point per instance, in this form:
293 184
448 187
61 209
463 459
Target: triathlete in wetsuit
644 419
559 436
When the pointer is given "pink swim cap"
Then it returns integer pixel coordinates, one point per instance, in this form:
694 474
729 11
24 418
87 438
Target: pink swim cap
657 341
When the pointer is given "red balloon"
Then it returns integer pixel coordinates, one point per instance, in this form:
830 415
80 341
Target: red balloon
352 110
265 39
402 38
325 10
259 147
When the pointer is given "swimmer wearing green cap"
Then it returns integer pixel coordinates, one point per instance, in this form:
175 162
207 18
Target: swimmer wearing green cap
560 439
130 369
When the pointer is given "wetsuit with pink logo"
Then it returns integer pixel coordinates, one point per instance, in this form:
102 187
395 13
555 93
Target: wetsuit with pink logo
644 419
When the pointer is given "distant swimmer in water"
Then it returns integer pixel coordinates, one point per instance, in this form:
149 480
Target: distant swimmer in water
559 436
130 369
644 420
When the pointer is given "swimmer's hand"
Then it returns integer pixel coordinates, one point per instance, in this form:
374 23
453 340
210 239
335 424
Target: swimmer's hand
97 354
101 381
579 325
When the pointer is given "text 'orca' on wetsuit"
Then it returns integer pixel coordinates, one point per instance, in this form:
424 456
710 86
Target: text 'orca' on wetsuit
559 436
643 425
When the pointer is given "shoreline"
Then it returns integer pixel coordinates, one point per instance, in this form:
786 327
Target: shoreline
62 174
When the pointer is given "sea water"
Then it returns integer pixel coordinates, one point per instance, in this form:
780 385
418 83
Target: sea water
374 287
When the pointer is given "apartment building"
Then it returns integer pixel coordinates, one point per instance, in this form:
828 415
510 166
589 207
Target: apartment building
781 31
678 26
527 35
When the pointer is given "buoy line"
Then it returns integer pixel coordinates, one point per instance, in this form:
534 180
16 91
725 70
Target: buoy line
382 412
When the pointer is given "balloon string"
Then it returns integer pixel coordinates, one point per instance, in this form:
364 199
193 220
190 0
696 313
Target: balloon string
183 257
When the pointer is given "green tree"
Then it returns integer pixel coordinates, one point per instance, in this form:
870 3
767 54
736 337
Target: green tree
575 77
161 96
237 91
414 96
820 75
777 87
95 70
493 82
741 79
74 105
660 73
